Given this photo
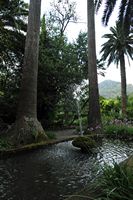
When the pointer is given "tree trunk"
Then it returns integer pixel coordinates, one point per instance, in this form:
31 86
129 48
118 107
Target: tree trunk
123 84
94 117
27 129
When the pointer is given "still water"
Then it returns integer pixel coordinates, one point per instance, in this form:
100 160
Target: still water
57 171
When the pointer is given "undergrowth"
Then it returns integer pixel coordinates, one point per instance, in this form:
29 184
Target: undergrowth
117 183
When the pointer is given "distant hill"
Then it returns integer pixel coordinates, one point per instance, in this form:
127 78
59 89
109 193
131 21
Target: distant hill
112 89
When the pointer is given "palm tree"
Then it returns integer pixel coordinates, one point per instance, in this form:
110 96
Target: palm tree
27 129
94 117
12 28
125 15
114 50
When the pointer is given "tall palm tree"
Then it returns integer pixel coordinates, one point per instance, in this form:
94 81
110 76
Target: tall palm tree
94 117
27 129
125 14
114 50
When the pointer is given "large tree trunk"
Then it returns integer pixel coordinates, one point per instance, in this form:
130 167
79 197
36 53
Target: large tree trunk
123 84
27 129
94 117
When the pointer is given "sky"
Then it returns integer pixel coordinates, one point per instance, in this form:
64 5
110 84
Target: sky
73 29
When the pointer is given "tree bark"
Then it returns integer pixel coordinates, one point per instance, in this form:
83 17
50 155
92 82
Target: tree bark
94 117
28 95
123 84
27 129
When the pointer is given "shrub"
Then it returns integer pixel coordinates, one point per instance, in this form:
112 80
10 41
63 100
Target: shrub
118 130
110 106
117 183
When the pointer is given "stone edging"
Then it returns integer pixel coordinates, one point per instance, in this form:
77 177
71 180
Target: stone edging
34 146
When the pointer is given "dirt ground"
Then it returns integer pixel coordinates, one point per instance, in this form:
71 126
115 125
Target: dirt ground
65 133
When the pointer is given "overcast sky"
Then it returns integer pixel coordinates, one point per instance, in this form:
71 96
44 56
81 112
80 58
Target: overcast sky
73 30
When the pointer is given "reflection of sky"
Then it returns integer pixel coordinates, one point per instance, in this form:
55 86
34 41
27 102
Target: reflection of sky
73 30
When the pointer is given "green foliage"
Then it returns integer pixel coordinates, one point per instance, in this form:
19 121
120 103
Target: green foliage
130 112
114 50
117 45
117 183
58 73
110 106
84 122
118 130
58 70
81 48
12 25
62 65
4 144
13 16
130 107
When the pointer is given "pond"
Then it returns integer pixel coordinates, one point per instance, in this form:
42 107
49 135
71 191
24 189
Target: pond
56 171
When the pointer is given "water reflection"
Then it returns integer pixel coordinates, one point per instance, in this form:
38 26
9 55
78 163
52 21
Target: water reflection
52 173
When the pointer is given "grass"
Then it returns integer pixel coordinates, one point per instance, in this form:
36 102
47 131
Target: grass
118 130
116 183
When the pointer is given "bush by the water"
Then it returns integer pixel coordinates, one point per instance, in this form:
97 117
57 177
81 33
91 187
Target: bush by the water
118 130
117 183
85 143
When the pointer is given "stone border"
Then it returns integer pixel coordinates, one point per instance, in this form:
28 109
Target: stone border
33 146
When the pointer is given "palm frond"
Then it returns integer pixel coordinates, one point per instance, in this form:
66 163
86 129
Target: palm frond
109 7
122 10
97 4
128 18
125 15
117 43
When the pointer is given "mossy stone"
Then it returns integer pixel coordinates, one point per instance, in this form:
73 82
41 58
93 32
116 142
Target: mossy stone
85 143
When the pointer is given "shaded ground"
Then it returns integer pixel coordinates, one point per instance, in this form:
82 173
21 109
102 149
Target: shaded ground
62 134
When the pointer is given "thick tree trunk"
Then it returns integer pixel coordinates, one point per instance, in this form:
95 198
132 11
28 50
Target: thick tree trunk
94 117
123 84
28 95
27 129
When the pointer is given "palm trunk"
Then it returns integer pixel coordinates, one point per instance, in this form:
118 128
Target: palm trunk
94 117
123 84
27 129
